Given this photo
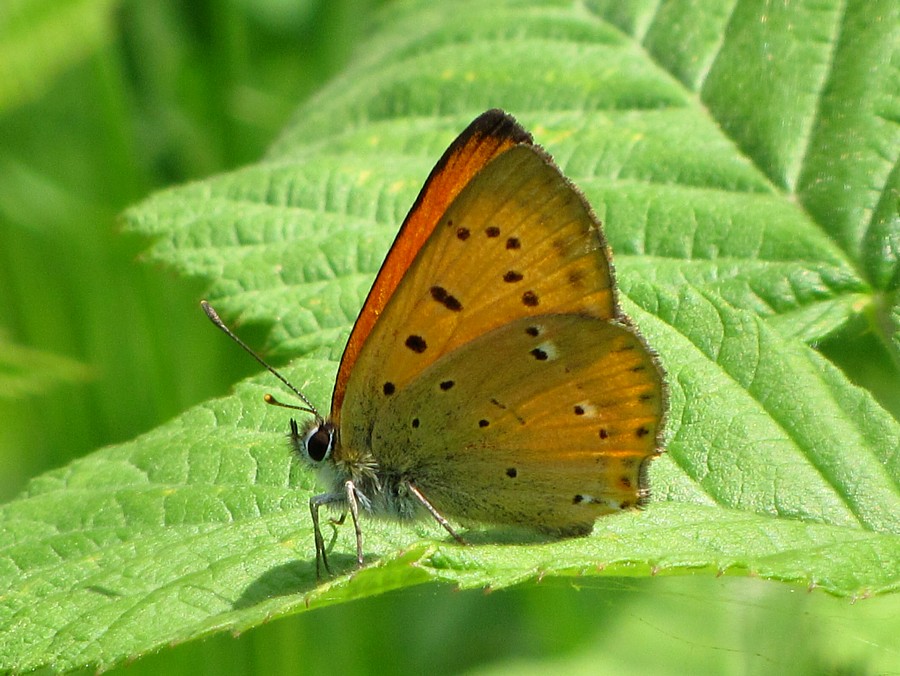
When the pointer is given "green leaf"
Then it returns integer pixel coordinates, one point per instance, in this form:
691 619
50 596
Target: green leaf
25 371
735 252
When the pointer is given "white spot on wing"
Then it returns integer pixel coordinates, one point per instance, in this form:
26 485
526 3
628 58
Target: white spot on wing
591 500
589 409
549 348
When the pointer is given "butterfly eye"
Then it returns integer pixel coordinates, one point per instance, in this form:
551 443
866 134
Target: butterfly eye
319 442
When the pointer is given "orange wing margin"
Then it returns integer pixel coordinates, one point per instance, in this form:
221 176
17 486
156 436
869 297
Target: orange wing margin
489 135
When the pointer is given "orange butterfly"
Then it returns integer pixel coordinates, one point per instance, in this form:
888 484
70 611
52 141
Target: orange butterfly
491 375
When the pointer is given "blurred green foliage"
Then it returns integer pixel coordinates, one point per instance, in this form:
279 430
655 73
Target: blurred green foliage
155 94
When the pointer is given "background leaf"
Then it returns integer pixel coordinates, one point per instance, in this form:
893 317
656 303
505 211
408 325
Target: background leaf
707 144
40 38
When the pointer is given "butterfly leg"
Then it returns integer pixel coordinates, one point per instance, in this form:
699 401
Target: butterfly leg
315 503
436 514
334 523
353 503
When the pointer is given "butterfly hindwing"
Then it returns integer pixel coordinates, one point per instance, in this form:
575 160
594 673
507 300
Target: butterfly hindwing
546 421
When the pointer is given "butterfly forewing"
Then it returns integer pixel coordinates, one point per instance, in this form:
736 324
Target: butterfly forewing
518 241
489 135
546 421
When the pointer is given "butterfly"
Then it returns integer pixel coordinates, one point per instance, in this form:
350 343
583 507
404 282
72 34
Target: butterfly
491 375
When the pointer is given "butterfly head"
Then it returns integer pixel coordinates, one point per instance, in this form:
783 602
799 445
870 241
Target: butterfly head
314 443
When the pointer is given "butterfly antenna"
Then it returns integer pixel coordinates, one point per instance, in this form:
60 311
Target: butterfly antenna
269 399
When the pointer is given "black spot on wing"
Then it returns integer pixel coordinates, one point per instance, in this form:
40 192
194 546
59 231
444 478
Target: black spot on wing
440 294
416 344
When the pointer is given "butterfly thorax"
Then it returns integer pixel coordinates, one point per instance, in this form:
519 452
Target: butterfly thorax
378 490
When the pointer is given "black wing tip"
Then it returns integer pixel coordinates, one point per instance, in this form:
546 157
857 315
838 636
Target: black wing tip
499 124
